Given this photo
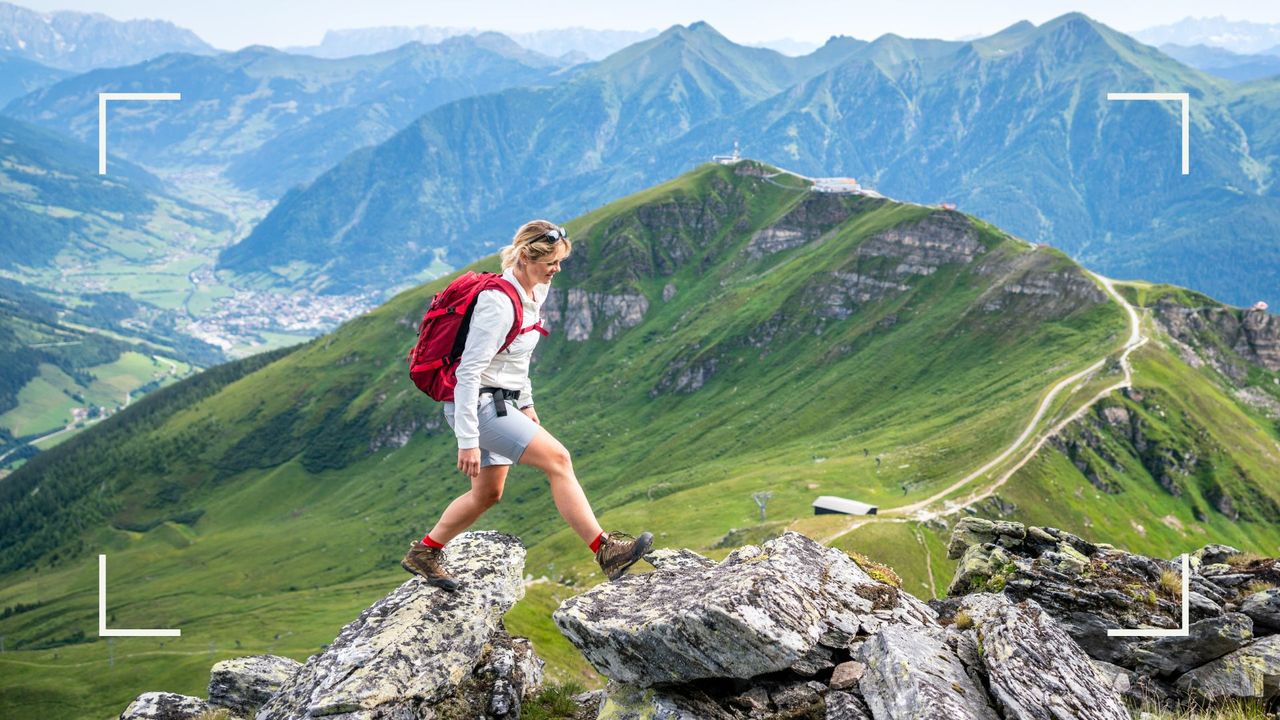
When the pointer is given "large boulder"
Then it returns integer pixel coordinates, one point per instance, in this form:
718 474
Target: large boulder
1205 640
244 684
420 646
912 674
762 609
1253 671
164 706
1036 671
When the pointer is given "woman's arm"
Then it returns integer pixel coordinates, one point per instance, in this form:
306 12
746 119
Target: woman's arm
490 322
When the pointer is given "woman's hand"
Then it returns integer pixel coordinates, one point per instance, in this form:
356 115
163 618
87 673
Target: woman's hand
469 462
533 414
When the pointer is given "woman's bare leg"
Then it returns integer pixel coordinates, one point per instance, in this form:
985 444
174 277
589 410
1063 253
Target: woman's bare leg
548 455
485 492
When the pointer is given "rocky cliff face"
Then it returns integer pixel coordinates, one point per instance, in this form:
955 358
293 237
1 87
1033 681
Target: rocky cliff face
1254 335
792 630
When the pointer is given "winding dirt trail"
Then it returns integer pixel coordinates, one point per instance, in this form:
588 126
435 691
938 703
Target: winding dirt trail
921 510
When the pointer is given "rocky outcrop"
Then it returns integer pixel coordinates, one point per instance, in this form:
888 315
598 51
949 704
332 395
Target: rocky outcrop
1253 335
791 629
1037 283
761 610
581 313
1089 589
941 238
809 220
787 630
419 652
416 646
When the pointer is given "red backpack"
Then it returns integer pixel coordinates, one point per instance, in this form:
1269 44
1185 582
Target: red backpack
433 361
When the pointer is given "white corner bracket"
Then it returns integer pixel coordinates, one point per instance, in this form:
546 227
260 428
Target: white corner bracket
1186 612
1186 117
103 631
103 98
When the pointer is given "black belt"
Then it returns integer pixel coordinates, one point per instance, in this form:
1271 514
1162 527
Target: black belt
500 396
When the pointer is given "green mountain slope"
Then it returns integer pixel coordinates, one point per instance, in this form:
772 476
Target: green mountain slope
54 202
721 334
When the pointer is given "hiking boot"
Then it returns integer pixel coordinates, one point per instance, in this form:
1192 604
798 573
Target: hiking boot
619 551
428 562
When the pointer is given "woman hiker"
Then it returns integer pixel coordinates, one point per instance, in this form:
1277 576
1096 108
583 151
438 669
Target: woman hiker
490 438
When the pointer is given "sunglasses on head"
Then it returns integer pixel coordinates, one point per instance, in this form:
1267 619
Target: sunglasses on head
556 234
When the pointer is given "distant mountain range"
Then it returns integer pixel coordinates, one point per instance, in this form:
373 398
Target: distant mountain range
1015 127
565 43
1239 36
457 179
82 41
1224 63
274 119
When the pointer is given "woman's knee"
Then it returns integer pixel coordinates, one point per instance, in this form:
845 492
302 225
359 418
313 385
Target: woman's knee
548 454
487 496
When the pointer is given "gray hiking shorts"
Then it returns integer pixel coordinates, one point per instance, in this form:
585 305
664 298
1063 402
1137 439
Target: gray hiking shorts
502 439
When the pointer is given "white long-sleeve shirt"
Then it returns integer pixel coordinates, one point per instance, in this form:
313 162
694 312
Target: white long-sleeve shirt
481 365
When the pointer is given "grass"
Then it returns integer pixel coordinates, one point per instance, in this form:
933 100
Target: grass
1218 710
553 702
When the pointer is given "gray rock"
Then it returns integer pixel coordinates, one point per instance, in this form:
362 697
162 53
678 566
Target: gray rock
414 647
1035 670
978 566
1205 640
1211 555
244 684
1253 671
1264 608
971 531
815 661
628 702
912 675
683 558
759 611
164 706
512 672
1113 676
1203 606
797 700
847 674
845 706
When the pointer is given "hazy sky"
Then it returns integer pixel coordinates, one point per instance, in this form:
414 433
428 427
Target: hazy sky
231 24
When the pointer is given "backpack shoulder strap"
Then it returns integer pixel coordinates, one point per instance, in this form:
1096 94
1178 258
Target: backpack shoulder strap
494 281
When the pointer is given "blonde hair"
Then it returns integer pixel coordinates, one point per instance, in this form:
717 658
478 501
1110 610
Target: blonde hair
532 242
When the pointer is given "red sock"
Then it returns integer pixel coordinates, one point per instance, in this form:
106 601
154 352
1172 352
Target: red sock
595 544
426 540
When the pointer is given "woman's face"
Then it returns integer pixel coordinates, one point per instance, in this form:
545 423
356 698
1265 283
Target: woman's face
541 271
